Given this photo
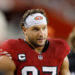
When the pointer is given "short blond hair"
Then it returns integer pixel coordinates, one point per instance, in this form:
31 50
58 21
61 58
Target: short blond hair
29 12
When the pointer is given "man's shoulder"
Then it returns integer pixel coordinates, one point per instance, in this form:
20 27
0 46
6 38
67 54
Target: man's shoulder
60 47
11 42
59 42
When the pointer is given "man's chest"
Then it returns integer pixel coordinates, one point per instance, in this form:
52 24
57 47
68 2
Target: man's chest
32 63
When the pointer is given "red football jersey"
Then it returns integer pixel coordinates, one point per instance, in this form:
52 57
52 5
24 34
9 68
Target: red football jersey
28 62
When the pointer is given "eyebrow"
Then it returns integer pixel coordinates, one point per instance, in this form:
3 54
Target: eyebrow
35 28
38 27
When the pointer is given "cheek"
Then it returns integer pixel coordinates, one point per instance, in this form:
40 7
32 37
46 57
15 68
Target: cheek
46 33
32 35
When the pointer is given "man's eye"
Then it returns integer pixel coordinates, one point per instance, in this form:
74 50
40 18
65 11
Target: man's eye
35 29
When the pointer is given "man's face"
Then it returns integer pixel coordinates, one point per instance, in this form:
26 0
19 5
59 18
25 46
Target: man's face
37 35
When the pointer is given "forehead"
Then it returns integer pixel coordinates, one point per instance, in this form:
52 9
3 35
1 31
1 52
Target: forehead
38 26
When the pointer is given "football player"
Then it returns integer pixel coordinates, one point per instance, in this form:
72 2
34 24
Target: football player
36 55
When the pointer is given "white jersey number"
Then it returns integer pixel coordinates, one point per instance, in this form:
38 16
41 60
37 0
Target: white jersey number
34 70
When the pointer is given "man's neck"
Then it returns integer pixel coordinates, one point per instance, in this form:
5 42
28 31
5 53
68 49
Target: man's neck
37 49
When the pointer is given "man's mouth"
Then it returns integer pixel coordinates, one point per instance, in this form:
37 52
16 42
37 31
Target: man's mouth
40 39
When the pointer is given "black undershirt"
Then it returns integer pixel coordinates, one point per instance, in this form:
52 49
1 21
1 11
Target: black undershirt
71 57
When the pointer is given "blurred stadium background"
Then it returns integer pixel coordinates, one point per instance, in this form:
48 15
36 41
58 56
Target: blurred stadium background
60 13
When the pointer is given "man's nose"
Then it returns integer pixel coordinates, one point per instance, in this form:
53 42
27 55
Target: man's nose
41 32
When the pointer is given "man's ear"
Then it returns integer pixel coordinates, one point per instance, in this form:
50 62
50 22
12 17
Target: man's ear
24 29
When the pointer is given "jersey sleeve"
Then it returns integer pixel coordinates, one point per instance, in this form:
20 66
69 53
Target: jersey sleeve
66 49
2 52
6 49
